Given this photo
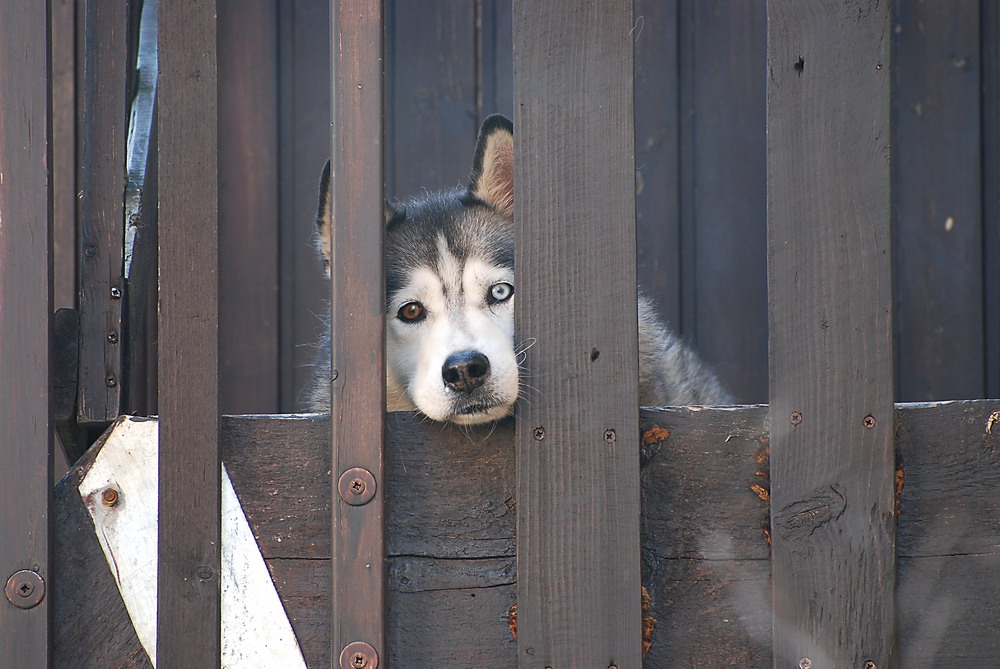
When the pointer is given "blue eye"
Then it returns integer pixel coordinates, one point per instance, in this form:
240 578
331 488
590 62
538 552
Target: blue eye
499 292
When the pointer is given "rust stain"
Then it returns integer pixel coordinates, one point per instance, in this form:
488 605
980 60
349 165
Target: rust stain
900 478
763 456
648 621
762 492
655 435
994 418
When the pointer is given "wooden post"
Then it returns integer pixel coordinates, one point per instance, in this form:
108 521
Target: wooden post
831 354
25 335
578 593
188 622
358 321
102 197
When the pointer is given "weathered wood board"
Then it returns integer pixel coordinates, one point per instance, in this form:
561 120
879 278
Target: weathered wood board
451 541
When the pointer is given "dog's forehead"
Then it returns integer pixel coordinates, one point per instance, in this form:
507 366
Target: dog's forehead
441 230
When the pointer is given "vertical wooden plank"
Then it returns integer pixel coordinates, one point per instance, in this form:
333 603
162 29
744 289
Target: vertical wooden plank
433 92
495 94
724 224
830 304
358 321
248 206
63 21
188 623
937 218
102 197
304 41
577 470
25 334
990 128
657 147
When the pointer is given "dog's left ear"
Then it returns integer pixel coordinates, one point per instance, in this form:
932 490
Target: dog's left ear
493 167
324 216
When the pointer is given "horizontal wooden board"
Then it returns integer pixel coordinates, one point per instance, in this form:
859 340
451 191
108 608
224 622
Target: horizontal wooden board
704 538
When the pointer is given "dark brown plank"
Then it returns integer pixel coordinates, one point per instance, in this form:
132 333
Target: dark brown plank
495 86
657 147
64 249
937 219
830 333
188 384
304 41
358 598
723 236
578 487
102 194
990 128
248 206
431 88
705 550
25 331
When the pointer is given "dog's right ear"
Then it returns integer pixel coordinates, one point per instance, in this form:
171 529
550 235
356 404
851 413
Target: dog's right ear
493 167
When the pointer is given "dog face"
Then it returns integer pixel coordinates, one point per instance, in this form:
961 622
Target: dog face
450 290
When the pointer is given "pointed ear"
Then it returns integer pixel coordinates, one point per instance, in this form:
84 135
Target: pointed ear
493 166
323 217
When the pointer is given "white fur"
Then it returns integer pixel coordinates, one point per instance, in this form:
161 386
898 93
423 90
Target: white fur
458 318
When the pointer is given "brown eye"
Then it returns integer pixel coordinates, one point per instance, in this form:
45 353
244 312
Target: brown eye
411 312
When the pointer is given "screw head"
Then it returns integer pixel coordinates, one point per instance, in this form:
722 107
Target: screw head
113 337
110 497
116 293
610 436
204 573
870 665
795 419
869 421
356 486
539 433
805 663
358 655
111 381
25 589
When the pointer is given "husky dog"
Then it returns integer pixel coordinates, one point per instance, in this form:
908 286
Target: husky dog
449 261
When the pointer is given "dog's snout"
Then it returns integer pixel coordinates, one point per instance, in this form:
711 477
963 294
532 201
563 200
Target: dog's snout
465 370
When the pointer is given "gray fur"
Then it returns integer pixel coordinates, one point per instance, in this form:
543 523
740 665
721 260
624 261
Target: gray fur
478 221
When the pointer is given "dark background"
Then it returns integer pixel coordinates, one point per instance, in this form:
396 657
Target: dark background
700 169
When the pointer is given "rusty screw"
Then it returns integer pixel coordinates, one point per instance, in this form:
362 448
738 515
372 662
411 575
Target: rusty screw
805 663
610 436
869 421
539 433
795 419
110 497
358 487
358 655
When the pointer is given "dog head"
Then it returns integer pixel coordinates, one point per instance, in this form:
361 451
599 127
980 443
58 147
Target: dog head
449 261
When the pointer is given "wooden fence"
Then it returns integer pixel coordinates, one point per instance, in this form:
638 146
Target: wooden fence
828 529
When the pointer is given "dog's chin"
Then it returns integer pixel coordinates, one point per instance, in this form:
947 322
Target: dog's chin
468 413
477 414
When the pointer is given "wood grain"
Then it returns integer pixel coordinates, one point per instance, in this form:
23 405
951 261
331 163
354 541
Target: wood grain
188 385
705 521
101 199
831 355
358 569
25 330
578 487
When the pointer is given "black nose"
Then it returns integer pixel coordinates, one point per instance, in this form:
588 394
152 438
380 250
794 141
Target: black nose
465 370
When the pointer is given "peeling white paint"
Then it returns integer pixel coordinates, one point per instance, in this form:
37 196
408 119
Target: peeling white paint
255 629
